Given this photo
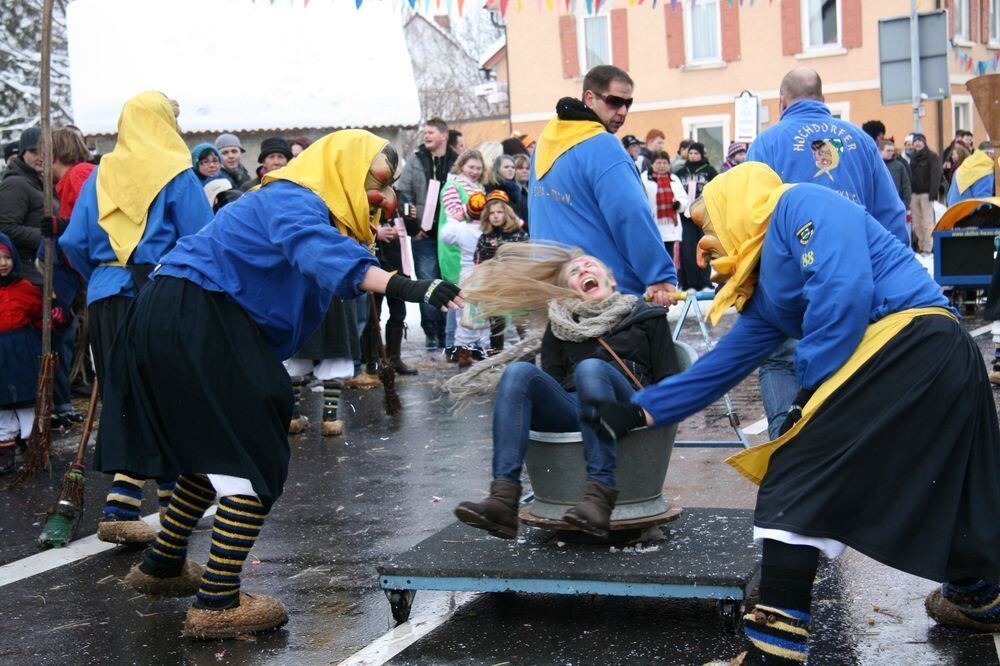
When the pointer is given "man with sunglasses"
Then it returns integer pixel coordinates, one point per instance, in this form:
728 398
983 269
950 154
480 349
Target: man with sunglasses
584 189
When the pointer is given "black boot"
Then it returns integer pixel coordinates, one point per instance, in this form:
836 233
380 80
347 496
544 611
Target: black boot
393 344
368 355
497 514
593 515
8 450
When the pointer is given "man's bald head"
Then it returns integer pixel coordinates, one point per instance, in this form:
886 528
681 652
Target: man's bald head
800 83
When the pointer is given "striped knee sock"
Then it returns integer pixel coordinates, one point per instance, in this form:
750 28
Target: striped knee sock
163 493
996 354
979 601
331 399
297 384
191 497
125 498
776 635
237 524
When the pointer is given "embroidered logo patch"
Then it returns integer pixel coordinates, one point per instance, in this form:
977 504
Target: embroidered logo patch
805 234
808 259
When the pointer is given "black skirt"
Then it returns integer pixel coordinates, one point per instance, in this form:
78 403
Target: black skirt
106 316
901 462
20 351
337 335
194 389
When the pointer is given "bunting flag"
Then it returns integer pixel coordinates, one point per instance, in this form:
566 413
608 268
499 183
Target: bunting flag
969 64
592 7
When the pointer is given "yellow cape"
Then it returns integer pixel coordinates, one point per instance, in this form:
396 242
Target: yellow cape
973 167
558 137
335 168
148 155
740 202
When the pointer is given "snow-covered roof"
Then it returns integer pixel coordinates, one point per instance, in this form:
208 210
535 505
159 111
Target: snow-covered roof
493 53
240 65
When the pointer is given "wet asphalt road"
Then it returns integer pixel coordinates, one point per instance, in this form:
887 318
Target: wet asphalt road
353 502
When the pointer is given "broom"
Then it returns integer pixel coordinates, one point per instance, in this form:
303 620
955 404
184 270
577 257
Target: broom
387 370
36 457
64 516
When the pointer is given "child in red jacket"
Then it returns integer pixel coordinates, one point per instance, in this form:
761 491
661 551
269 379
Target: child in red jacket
20 347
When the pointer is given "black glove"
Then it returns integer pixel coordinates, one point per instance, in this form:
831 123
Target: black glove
53 227
435 293
612 420
795 411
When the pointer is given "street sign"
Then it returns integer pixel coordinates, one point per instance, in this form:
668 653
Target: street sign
894 57
746 117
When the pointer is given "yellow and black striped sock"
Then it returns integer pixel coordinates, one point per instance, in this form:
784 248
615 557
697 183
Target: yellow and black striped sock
191 497
331 399
297 383
163 493
237 524
125 498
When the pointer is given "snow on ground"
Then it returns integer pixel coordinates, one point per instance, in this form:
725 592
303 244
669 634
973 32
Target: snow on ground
240 65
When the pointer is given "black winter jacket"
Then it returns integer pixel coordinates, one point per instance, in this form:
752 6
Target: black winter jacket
21 214
642 340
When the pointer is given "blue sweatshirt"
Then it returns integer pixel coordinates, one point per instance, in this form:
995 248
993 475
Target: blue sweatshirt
593 198
809 145
275 253
828 269
981 189
181 208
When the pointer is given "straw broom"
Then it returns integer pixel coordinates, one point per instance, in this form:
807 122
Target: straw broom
64 516
36 458
387 369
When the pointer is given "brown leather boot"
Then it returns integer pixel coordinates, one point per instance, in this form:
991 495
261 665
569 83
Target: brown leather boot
497 514
593 515
393 345
464 357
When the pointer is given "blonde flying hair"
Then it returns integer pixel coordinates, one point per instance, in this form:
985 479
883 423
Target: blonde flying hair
466 157
511 223
521 279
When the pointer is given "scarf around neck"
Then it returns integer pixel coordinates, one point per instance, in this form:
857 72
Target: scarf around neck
577 320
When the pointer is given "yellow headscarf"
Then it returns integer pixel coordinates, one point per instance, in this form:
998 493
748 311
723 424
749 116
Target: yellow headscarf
740 202
147 156
558 137
335 168
972 168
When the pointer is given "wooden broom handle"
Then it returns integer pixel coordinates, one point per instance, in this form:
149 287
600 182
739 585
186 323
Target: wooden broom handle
88 424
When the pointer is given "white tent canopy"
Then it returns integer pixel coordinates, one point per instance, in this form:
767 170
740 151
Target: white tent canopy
240 65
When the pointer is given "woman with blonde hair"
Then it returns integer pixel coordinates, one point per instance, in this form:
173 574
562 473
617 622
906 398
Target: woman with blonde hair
575 297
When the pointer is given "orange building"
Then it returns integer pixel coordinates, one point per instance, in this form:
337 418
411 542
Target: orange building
691 58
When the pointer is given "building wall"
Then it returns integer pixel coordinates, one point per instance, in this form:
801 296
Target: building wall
757 53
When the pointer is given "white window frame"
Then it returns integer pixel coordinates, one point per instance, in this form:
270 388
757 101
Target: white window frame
725 120
995 23
966 101
688 10
840 110
961 20
809 48
581 36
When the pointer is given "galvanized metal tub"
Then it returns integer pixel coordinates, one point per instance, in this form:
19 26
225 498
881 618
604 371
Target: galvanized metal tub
557 470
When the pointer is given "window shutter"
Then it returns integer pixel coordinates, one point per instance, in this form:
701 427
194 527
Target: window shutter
730 30
791 27
619 38
985 22
675 34
850 14
973 20
567 40
949 5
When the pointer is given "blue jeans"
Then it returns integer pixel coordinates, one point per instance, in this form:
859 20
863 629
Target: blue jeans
64 344
778 385
530 399
425 264
450 325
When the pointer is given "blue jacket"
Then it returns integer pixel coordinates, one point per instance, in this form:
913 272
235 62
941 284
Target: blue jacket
275 253
981 189
828 270
809 145
593 198
181 208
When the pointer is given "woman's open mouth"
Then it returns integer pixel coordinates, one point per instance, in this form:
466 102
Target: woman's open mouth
589 285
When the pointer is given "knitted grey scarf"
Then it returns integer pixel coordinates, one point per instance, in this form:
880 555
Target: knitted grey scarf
571 320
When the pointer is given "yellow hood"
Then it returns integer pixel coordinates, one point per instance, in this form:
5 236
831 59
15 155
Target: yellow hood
973 167
148 155
740 202
558 137
335 168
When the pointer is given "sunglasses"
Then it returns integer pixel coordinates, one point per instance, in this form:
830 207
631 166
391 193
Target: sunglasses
616 102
